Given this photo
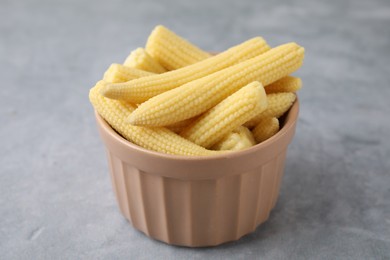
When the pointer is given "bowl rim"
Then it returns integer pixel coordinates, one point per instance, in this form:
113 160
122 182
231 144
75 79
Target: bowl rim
291 117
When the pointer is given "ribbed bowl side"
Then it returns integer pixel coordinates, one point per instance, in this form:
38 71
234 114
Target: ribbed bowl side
196 213
280 172
269 184
141 198
118 183
244 201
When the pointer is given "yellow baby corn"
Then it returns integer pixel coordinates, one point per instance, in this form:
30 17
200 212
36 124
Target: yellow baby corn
119 73
200 95
239 139
232 112
158 139
266 128
179 126
278 104
286 84
140 90
172 51
140 59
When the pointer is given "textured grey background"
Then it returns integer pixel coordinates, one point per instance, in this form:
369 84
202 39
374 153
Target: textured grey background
56 199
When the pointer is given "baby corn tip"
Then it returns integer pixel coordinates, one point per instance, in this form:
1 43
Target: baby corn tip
133 120
105 90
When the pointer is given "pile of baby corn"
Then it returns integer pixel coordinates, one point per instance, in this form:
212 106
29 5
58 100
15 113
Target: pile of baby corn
175 98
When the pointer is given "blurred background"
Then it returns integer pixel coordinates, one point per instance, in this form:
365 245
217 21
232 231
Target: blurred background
56 199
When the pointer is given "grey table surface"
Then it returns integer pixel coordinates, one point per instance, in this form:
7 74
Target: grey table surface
56 200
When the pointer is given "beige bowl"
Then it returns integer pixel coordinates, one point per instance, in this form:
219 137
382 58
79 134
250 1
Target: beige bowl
197 201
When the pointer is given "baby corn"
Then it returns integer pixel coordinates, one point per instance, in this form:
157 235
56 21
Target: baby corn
232 112
158 139
286 84
172 51
119 73
239 139
200 95
140 90
179 126
278 104
140 59
266 128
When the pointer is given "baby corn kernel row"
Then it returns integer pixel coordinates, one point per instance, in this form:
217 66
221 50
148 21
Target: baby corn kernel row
170 96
